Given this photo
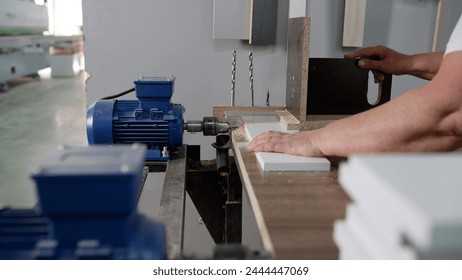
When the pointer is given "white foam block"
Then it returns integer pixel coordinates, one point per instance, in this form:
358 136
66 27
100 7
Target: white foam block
283 162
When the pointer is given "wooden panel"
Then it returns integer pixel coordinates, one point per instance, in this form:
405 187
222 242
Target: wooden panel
253 20
263 21
336 86
219 111
295 211
231 19
353 23
287 120
319 121
441 26
297 66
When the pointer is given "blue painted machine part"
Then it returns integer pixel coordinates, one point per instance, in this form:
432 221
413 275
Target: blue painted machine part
99 122
152 119
87 209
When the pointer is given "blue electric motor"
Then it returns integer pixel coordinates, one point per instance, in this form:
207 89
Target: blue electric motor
87 209
152 119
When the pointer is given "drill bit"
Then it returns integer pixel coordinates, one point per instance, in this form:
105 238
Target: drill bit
267 99
251 76
233 78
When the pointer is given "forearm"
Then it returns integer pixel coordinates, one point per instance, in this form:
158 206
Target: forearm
408 123
425 65
424 119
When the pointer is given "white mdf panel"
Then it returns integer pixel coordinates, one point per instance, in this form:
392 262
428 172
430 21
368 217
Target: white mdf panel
416 196
255 129
283 162
349 247
256 125
373 239
297 8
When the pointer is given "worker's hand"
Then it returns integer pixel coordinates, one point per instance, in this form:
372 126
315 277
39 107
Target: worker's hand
298 144
380 60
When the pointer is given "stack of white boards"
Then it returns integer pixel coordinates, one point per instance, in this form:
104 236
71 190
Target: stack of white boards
404 206
270 161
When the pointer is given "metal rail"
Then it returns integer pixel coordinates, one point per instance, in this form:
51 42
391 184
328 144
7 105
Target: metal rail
172 204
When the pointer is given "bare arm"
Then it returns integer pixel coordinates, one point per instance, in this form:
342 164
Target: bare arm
424 119
386 60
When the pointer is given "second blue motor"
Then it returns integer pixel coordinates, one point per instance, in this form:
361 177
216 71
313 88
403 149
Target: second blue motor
152 119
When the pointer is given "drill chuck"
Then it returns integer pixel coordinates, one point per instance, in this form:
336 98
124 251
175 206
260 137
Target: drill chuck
208 126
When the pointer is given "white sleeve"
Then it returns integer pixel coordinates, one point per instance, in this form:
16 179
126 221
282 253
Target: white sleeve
455 41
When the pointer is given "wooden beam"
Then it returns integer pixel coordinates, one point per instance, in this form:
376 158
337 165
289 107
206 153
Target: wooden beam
353 23
441 25
219 111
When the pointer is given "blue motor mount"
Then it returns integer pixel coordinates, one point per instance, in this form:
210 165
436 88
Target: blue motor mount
152 120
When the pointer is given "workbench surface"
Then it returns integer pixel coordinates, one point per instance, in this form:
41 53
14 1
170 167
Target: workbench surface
295 211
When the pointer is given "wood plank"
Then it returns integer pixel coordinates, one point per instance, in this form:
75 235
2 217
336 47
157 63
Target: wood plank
288 121
263 22
295 211
353 23
297 66
219 111
314 122
441 26
237 137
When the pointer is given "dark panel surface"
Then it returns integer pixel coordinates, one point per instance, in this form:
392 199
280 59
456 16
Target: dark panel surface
336 86
263 22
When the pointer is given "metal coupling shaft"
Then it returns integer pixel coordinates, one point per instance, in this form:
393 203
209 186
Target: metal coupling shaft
208 126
